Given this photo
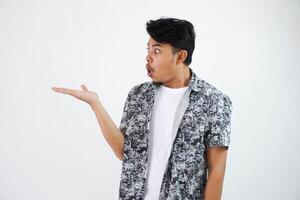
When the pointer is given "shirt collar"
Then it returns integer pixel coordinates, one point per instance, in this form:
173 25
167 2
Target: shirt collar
194 82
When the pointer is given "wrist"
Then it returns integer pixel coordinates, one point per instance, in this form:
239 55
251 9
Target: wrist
93 104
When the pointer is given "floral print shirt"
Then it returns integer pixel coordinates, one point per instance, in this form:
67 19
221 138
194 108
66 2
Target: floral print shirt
203 122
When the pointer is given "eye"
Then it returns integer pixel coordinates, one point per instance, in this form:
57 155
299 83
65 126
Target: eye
156 50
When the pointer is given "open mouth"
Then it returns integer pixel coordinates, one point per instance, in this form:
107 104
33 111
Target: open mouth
149 70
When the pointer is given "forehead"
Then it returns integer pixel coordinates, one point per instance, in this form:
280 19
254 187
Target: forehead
153 43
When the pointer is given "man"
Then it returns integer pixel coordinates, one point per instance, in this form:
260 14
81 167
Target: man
174 129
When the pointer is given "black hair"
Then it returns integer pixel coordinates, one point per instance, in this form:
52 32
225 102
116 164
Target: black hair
179 33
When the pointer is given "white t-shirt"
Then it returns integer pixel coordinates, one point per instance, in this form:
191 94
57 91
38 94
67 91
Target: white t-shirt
161 136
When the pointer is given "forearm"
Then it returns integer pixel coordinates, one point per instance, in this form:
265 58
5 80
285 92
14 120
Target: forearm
110 131
214 185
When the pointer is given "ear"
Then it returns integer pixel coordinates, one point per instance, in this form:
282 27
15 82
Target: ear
182 54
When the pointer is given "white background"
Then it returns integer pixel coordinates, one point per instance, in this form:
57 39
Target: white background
51 146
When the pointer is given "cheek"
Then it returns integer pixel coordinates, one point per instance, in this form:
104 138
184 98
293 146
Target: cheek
162 61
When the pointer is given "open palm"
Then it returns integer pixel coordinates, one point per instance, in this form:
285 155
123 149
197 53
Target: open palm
84 94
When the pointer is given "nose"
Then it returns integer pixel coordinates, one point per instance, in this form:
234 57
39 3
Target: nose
148 59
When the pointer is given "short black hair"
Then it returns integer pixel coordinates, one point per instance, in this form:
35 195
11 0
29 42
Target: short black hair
179 33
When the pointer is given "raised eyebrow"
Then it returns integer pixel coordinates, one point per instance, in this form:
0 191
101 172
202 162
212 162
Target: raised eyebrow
156 44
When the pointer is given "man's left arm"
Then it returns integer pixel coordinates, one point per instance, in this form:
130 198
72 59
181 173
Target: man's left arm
216 160
217 140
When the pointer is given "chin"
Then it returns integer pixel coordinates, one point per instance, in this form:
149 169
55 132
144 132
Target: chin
154 81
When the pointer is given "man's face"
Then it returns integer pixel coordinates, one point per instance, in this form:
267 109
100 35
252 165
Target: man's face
161 63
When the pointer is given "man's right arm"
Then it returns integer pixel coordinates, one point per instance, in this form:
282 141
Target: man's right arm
111 133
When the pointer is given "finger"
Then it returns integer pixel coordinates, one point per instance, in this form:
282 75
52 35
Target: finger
65 90
84 88
55 89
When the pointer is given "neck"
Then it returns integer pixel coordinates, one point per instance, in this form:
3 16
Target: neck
181 79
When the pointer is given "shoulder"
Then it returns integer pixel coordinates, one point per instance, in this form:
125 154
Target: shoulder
139 88
214 94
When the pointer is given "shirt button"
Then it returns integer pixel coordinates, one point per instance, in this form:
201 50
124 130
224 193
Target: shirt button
148 125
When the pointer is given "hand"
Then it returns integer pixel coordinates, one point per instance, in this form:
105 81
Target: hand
85 95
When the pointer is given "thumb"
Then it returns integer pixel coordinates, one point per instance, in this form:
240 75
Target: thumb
84 88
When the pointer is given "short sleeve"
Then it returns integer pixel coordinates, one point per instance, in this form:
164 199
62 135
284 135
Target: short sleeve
127 113
218 129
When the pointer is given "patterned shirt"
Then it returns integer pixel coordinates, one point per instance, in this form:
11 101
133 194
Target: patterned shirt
202 121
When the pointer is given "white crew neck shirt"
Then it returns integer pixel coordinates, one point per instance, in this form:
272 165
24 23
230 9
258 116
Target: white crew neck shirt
161 136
